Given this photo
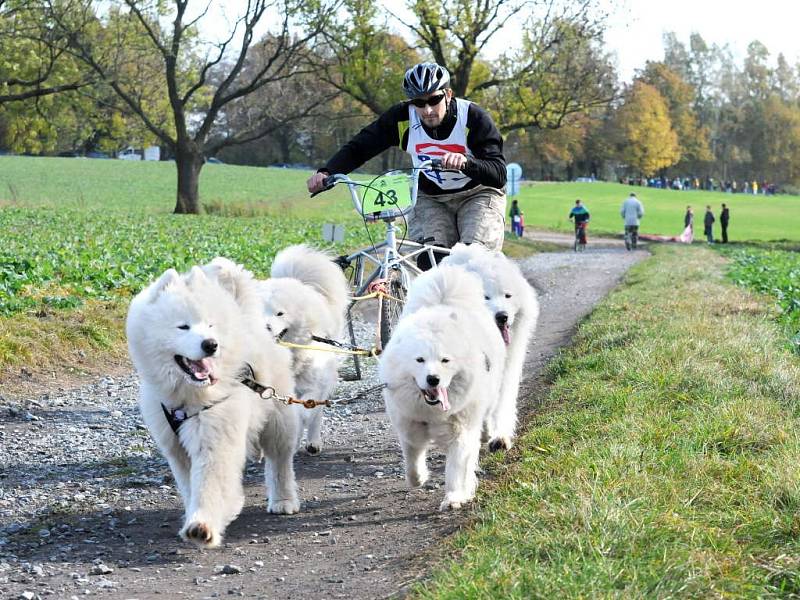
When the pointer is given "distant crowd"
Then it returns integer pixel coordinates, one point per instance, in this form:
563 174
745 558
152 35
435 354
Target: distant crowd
708 184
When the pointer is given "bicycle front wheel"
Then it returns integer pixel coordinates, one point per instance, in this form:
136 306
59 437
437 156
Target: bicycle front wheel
392 306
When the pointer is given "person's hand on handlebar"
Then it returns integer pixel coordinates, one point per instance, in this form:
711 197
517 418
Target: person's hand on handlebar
453 161
315 182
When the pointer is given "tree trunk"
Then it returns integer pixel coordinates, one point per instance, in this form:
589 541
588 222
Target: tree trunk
188 163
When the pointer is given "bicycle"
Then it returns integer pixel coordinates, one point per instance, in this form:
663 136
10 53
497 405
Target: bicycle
388 197
580 237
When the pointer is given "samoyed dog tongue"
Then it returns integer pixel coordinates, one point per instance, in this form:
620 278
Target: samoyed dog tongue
190 336
442 371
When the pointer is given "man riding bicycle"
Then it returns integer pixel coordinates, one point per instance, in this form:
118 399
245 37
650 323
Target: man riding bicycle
581 216
467 204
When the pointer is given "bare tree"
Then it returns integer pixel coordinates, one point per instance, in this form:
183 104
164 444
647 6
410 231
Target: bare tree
197 87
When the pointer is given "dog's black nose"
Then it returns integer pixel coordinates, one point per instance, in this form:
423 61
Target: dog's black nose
501 318
433 380
209 346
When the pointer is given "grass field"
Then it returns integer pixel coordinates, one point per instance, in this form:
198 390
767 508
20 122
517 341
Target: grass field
150 186
763 218
664 462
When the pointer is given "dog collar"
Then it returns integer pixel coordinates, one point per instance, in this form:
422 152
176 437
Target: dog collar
177 416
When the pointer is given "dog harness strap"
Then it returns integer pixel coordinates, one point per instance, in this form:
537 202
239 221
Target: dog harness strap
175 418
178 416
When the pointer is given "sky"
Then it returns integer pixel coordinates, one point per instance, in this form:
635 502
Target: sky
636 27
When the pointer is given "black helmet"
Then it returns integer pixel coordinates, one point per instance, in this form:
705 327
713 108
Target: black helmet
425 78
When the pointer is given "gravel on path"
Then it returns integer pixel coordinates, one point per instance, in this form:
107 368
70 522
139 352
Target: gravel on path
89 507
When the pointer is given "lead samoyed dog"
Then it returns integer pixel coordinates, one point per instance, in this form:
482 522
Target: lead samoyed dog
307 295
514 306
190 337
442 371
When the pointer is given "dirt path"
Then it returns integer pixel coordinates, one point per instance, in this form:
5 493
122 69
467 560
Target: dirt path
87 507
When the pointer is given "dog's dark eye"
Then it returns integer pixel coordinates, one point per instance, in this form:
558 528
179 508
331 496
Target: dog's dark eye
184 327
508 295
486 297
445 360
279 314
420 359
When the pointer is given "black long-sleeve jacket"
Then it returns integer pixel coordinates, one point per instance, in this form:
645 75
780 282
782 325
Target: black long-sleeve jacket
487 166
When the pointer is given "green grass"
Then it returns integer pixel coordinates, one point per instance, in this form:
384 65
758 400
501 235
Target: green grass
150 186
664 462
547 205
772 272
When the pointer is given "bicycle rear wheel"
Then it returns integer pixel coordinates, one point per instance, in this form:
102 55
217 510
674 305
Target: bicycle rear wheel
392 306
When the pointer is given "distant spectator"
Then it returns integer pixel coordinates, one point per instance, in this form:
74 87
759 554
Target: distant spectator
514 217
521 223
688 218
724 219
631 211
755 187
708 225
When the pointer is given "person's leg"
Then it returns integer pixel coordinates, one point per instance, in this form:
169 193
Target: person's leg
480 217
724 234
435 224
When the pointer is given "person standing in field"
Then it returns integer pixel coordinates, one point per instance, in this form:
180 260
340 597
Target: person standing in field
514 217
632 211
687 237
708 225
724 219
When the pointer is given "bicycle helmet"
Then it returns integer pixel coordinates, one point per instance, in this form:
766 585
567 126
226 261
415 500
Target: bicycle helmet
425 78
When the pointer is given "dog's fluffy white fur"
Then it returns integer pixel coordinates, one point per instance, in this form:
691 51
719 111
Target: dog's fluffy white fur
189 336
514 306
307 295
442 371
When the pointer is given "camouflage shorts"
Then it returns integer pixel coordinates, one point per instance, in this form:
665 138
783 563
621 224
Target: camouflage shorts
476 215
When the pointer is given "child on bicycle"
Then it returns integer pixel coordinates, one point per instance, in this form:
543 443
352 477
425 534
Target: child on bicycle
580 214
465 205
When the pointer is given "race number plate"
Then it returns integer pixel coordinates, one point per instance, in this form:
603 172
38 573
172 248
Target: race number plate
386 193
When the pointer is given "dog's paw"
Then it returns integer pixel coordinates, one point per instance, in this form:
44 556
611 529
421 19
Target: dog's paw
314 449
500 443
454 501
450 505
416 479
201 534
288 506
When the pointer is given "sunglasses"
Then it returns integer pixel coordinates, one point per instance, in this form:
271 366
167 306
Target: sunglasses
432 101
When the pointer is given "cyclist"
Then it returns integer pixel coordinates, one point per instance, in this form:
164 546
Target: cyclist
631 211
466 206
581 216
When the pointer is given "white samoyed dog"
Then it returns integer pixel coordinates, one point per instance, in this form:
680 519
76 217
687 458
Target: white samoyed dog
190 336
442 371
514 306
307 295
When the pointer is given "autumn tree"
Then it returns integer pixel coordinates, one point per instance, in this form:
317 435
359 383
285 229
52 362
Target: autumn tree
693 138
648 143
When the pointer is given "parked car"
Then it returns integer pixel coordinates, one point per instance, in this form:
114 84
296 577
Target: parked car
212 160
129 153
96 154
69 154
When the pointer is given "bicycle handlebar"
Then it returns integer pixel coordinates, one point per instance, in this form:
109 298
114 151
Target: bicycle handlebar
331 180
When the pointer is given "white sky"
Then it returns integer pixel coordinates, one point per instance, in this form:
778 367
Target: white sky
636 27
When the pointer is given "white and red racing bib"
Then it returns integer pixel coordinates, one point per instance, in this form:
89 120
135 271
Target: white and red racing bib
422 147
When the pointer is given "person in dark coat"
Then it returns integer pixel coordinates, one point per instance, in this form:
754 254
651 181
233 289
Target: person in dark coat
724 219
708 225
